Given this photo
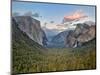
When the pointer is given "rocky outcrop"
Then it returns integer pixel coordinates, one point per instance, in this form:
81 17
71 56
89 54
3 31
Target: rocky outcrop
82 34
32 28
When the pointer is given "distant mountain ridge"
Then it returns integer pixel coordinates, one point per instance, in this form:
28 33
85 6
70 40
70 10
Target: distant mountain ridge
59 39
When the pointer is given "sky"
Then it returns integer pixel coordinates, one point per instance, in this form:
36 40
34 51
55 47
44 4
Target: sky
55 12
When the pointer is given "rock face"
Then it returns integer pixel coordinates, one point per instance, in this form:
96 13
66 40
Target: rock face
32 28
19 38
82 34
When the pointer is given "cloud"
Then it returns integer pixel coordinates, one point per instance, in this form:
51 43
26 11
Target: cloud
77 15
36 15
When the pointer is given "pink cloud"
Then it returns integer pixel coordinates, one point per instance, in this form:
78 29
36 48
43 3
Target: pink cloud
75 16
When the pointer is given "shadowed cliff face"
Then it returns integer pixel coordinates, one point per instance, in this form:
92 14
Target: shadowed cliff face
32 28
82 34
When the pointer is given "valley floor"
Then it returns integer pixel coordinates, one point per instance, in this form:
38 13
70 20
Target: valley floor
57 60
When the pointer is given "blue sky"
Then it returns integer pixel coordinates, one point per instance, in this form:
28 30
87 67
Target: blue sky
52 12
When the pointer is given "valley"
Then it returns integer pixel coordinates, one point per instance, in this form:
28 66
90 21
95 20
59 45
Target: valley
32 53
56 60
